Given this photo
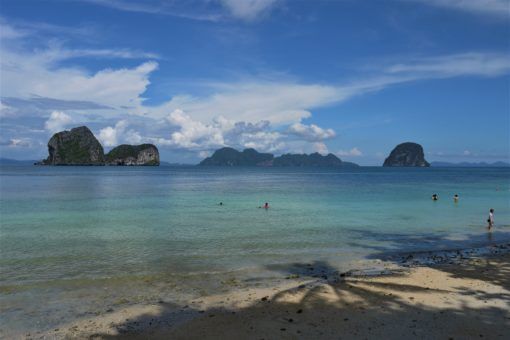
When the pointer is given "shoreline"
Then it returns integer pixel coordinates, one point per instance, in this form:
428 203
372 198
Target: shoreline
228 313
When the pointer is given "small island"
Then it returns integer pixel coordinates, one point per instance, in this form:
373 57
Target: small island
80 147
407 155
250 157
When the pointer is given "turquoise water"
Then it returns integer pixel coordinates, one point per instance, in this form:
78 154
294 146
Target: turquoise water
70 230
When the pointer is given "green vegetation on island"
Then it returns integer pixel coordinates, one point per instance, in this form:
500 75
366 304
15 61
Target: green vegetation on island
144 154
250 157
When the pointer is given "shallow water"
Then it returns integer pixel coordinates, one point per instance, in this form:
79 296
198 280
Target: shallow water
70 234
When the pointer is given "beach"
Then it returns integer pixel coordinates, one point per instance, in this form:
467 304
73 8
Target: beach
459 298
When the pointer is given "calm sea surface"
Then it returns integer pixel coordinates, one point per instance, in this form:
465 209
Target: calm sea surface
75 239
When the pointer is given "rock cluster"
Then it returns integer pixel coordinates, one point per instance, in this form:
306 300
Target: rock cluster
79 146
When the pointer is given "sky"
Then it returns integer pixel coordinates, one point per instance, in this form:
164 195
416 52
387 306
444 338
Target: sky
349 77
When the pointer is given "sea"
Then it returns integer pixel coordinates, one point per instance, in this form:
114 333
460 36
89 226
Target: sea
78 241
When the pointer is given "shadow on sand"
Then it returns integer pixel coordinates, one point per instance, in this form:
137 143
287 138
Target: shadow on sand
334 306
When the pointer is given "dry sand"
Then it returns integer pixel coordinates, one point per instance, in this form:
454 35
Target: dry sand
465 300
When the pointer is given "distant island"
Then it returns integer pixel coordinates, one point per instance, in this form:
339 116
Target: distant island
79 146
250 157
406 155
470 165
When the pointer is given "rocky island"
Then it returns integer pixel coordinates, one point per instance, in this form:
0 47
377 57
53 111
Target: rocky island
79 146
76 147
231 157
408 155
145 154
251 157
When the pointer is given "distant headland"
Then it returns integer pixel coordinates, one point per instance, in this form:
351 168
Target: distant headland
79 146
250 157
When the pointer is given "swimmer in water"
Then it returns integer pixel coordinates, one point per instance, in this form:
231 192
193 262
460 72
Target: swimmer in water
221 203
435 197
455 198
266 205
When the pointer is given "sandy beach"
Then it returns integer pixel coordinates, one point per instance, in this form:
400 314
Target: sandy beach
462 298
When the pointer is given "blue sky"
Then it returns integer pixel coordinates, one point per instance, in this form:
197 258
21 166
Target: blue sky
349 77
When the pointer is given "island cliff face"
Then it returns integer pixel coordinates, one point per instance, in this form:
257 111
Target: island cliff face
75 147
250 157
80 147
145 154
407 154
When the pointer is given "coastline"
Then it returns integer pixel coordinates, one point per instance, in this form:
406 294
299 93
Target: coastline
457 293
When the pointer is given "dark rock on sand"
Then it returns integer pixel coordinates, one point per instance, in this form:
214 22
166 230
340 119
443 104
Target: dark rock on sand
407 154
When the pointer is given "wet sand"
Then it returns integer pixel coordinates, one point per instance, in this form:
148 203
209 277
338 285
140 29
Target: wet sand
446 296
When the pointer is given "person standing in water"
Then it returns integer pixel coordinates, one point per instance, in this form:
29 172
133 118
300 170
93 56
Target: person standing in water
266 205
435 197
490 220
455 198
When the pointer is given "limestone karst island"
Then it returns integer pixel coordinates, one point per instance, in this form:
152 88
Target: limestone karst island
79 146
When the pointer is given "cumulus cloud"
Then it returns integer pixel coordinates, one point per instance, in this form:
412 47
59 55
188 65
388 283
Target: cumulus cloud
57 121
354 152
311 132
191 134
111 135
119 134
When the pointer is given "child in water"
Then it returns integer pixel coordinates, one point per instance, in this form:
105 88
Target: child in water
490 220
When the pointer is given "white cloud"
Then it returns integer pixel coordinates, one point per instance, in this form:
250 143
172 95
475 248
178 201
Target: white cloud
119 134
494 7
57 121
454 65
195 135
16 142
26 73
110 136
278 103
311 132
354 152
466 153
248 9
